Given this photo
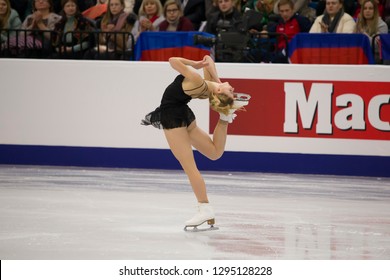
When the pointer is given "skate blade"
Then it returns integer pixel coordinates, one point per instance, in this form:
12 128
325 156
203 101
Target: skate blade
196 229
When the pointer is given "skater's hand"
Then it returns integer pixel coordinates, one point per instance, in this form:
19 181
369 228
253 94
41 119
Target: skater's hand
200 64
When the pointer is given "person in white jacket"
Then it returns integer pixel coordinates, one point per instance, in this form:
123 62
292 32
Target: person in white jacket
334 19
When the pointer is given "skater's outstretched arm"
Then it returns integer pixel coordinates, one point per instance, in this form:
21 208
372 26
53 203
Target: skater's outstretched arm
181 65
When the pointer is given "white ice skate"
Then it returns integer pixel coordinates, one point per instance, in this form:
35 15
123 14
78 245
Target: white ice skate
242 97
241 100
205 214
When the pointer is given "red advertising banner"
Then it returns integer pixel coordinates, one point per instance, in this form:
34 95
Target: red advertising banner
324 109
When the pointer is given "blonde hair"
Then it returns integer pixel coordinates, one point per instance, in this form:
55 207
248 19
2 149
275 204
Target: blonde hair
221 103
141 11
362 25
4 20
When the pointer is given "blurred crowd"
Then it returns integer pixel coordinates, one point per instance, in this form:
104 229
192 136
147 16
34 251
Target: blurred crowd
109 29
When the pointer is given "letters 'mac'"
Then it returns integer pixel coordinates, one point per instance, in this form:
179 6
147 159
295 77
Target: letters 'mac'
350 116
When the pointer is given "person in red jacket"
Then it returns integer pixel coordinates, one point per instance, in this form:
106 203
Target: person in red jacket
174 19
289 24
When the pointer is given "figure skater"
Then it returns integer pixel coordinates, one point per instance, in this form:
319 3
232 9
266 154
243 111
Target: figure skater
180 128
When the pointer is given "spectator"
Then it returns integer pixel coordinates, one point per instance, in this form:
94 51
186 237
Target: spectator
195 11
174 19
269 19
113 42
262 45
370 23
252 16
75 44
289 24
227 18
36 38
97 11
9 19
334 20
359 7
150 15
43 17
301 7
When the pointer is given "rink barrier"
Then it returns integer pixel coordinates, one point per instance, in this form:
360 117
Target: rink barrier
163 159
94 120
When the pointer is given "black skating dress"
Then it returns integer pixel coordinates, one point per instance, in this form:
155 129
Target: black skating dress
173 111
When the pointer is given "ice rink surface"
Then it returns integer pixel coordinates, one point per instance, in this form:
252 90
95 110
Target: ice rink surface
112 214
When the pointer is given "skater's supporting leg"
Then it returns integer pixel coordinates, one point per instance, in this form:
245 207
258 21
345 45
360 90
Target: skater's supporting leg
180 143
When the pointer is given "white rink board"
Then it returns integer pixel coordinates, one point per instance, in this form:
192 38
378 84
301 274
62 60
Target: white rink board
101 103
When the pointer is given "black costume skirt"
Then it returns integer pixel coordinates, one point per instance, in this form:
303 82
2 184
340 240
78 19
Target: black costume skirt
169 117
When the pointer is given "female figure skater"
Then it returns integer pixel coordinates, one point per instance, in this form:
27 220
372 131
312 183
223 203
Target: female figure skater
181 131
